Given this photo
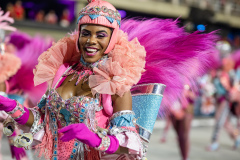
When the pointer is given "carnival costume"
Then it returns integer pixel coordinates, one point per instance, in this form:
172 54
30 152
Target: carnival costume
227 94
98 131
9 65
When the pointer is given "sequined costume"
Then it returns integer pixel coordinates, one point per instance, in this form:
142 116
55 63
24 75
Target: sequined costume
121 70
90 111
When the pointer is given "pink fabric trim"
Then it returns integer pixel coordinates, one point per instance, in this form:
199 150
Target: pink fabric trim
7 86
102 118
64 51
24 118
131 141
107 104
14 134
16 114
59 74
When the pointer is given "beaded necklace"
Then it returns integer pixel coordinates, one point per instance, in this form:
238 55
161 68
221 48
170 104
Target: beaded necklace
83 69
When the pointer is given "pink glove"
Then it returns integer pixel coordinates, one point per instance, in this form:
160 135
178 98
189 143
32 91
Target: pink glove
17 153
8 105
83 134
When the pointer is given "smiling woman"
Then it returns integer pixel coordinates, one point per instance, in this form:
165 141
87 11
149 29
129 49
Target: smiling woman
93 41
87 111
88 105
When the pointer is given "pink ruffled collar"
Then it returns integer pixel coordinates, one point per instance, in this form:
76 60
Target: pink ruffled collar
116 75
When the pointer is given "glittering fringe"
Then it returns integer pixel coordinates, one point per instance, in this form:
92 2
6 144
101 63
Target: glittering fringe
46 146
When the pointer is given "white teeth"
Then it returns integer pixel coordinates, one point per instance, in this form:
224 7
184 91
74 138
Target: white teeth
91 50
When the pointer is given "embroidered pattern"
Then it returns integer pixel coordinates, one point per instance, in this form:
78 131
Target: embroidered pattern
96 11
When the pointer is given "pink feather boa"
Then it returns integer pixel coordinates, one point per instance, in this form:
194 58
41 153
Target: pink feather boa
122 69
9 65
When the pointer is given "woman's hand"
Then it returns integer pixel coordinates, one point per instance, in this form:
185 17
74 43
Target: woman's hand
83 134
7 104
23 116
80 132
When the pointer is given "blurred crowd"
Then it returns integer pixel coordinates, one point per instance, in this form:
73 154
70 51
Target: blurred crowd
18 12
225 6
217 94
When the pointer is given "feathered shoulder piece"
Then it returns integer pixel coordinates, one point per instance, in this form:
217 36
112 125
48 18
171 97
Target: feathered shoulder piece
116 75
64 51
122 69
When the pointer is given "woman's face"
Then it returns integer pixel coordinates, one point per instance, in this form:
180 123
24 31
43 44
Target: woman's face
93 41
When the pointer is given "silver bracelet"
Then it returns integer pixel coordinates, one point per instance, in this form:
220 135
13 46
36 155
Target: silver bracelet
102 133
13 113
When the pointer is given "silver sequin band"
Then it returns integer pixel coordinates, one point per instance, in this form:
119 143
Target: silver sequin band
62 77
36 126
105 143
17 108
116 130
145 134
148 89
120 113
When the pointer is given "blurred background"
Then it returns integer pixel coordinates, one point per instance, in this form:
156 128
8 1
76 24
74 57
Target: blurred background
57 18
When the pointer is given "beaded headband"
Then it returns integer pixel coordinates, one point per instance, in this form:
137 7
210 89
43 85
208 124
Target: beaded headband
96 11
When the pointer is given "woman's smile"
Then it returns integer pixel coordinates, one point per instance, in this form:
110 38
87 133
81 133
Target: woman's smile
93 41
91 51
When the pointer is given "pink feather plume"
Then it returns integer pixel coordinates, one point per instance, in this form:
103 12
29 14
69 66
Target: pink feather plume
173 56
28 50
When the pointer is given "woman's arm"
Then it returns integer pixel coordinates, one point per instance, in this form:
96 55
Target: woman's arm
2 87
30 119
120 104
31 116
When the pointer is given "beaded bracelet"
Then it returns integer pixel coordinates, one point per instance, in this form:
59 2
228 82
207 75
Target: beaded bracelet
17 112
102 133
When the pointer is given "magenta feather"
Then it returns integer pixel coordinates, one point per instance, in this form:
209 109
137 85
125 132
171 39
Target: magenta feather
173 56
28 50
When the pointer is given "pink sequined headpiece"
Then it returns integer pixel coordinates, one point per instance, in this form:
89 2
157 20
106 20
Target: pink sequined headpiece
101 13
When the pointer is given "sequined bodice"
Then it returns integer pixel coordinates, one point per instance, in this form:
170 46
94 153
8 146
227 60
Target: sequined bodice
72 110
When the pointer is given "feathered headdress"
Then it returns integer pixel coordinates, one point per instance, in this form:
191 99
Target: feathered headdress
9 63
